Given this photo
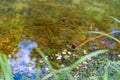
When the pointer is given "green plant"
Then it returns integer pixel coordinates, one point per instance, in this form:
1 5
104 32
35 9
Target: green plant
66 71
5 67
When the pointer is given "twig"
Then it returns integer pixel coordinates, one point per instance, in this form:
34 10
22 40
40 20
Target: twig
88 40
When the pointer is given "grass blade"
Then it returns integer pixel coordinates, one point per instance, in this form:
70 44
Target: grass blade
47 62
106 71
6 70
68 69
117 20
87 56
96 32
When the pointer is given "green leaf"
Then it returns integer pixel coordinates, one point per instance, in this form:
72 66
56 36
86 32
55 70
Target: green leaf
117 20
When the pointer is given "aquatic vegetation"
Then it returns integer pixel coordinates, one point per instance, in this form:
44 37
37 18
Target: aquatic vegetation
57 30
24 67
58 23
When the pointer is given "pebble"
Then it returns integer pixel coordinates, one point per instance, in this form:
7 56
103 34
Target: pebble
62 65
85 67
80 65
85 52
85 63
119 55
89 59
69 53
77 67
59 57
64 51
47 69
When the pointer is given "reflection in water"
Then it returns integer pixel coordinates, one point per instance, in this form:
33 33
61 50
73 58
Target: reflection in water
24 66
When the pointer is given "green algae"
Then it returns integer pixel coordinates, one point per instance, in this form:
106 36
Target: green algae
54 24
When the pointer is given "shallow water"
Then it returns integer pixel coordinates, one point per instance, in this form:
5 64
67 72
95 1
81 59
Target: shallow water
57 28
